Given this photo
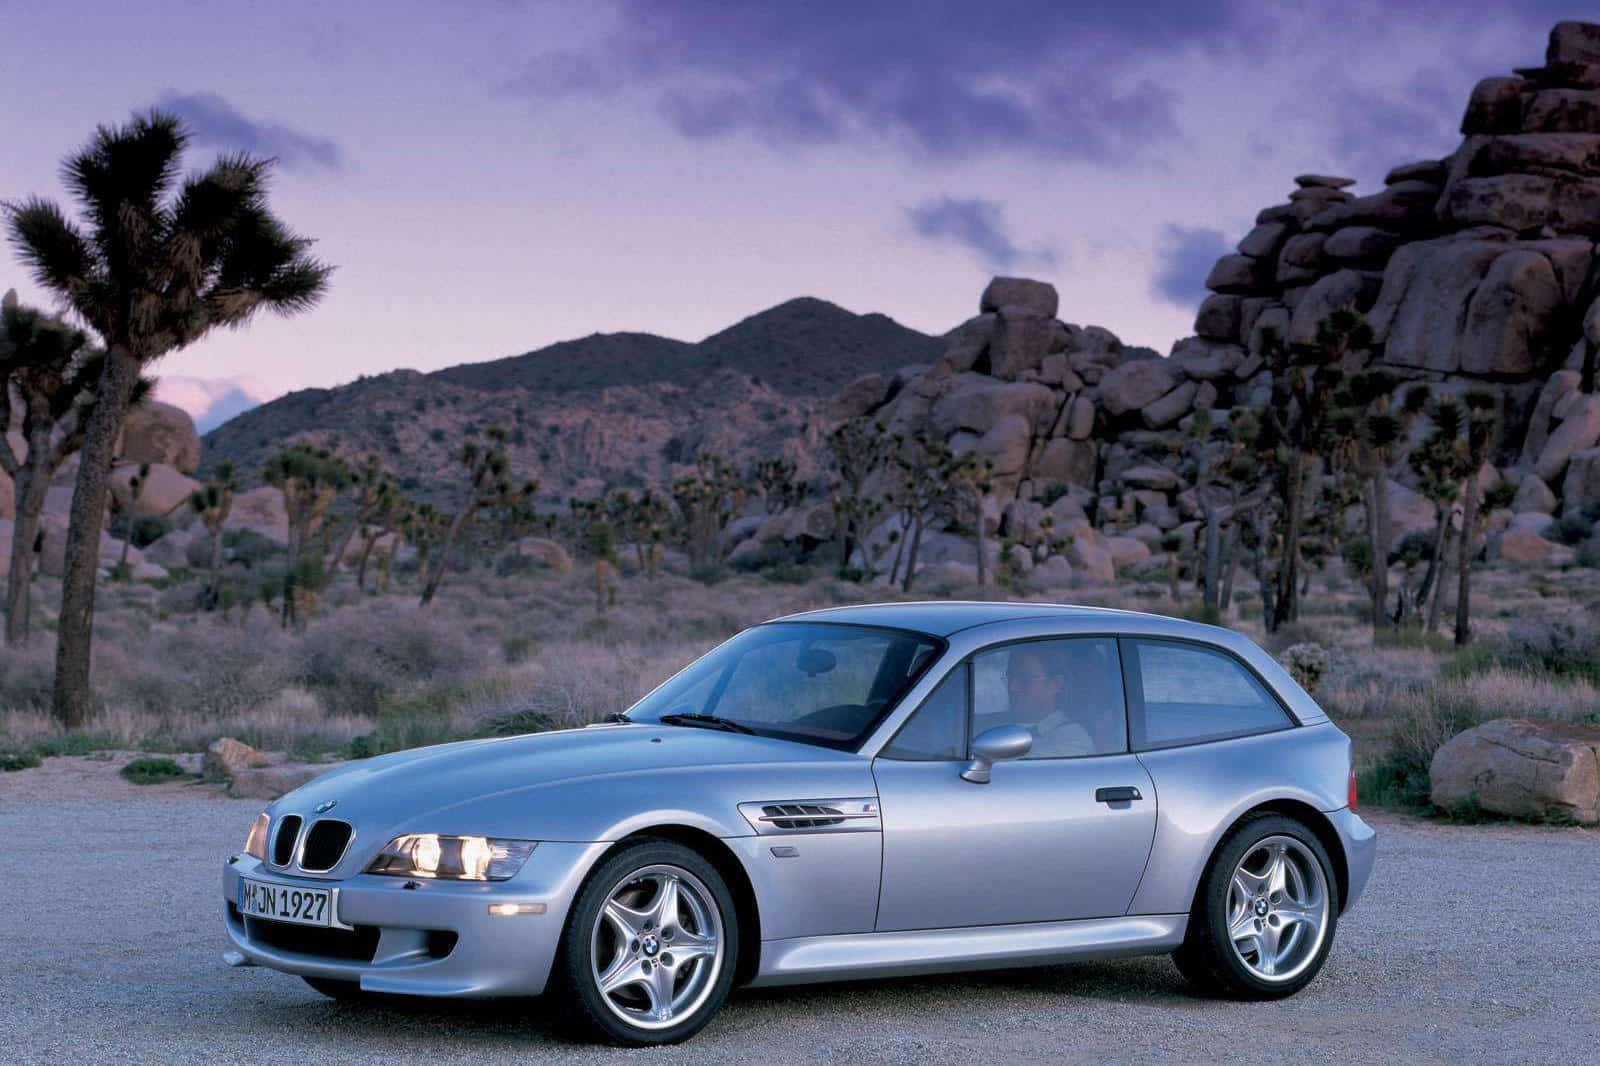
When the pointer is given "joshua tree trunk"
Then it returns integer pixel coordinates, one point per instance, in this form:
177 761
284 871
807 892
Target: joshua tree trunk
444 555
19 583
1469 522
1430 576
1436 594
214 580
911 556
1230 563
1264 573
75 634
977 538
1288 604
1378 538
1212 570
361 567
127 539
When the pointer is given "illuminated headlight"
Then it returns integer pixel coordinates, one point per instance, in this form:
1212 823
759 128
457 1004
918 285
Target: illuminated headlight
452 858
255 842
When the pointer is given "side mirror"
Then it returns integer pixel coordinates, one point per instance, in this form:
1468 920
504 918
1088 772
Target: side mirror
996 745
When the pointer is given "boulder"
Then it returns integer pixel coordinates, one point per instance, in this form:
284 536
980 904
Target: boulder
1171 407
1080 418
173 549
8 496
549 553
1556 387
1520 544
1525 202
1344 289
1092 560
1365 246
1522 769
1302 261
1428 170
1020 296
1563 111
1495 106
1534 496
1263 241
1066 461
1552 154
261 510
1581 487
1156 478
270 782
1125 551
1426 291
7 534
1205 360
1054 572
970 344
1579 431
1132 386
147 571
1021 341
163 492
1006 445
227 756
978 403
1573 42
1235 274
1513 316
157 432
1218 317
857 398
1322 181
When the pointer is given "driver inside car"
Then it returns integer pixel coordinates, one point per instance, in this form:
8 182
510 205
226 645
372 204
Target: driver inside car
1036 683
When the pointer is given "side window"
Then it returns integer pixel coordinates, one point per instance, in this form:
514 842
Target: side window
1067 691
938 729
1185 694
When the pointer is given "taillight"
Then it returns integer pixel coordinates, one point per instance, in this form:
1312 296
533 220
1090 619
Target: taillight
1352 788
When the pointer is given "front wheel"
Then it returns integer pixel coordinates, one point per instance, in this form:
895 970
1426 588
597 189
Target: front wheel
649 950
1265 914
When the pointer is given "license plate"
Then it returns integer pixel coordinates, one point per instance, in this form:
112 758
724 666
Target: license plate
286 903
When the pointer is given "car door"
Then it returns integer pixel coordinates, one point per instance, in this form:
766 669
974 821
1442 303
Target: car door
1061 834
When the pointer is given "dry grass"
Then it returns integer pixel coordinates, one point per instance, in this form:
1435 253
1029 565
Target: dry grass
512 653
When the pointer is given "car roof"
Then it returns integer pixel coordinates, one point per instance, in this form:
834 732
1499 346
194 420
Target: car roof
941 618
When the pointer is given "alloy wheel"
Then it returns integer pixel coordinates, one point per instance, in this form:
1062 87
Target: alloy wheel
1277 908
657 946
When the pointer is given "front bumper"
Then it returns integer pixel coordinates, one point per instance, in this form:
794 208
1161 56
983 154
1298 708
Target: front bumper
435 939
1360 842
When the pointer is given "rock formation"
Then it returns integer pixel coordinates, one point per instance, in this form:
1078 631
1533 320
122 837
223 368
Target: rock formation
1478 269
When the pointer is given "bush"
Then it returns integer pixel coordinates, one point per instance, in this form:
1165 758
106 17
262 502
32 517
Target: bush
1572 528
11 761
360 657
1565 645
154 771
1307 663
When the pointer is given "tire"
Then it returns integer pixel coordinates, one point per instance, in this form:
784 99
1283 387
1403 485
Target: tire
1265 913
342 991
658 994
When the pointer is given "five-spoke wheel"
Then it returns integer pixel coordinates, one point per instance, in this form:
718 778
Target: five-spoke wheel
1264 916
649 952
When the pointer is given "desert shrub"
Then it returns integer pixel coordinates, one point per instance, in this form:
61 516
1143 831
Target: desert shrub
1307 663
1397 783
359 657
250 548
1565 645
11 761
209 670
27 677
152 771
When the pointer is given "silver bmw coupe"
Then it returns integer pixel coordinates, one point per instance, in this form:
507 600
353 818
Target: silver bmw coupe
857 792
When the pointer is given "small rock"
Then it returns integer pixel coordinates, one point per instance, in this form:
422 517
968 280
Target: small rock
1521 768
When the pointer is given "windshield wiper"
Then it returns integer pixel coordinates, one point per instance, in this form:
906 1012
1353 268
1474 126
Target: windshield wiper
706 721
619 718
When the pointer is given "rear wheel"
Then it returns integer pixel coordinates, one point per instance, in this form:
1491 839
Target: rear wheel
1264 917
648 953
343 991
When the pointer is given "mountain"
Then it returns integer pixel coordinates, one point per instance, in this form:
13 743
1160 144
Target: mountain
623 408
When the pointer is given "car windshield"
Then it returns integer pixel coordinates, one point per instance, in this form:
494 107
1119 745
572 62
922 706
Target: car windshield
815 682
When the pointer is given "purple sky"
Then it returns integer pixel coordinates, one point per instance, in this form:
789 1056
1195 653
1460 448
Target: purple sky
491 176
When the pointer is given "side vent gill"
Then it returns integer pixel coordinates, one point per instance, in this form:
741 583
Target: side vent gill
770 817
801 815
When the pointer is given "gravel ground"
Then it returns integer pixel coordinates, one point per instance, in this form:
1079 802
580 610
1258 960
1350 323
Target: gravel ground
1477 944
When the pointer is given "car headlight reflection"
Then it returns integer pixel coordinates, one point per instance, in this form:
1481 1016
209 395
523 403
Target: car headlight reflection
450 858
255 842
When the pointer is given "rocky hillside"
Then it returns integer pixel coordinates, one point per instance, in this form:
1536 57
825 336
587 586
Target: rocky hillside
1476 270
621 408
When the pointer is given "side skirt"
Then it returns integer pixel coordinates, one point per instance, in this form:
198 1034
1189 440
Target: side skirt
992 947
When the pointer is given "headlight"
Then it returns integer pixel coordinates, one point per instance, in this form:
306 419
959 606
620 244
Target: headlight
255 842
452 858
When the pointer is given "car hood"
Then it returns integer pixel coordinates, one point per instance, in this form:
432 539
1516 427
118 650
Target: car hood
577 785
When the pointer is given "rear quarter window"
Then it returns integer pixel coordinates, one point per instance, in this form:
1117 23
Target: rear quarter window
1182 693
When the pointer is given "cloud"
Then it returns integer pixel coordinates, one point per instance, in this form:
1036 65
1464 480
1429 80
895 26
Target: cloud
1053 79
1188 255
211 401
215 122
974 224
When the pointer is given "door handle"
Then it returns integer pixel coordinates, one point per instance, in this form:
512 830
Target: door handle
1120 794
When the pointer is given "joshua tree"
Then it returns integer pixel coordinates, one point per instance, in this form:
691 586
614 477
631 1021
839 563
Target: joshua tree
213 502
382 519
971 480
310 479
1442 465
774 479
1304 379
1483 424
1364 430
924 488
153 268
597 534
859 448
371 489
47 366
126 509
707 501
424 527
1222 468
488 483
